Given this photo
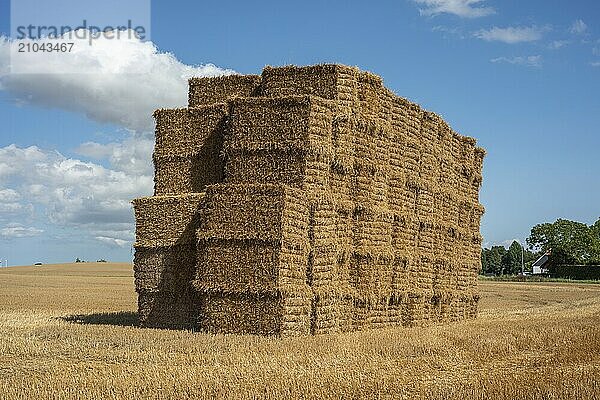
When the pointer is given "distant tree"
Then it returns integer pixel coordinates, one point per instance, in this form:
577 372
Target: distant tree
493 259
78 260
102 260
498 260
595 250
511 261
571 242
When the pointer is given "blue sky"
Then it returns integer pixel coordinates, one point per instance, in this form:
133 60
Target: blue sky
521 77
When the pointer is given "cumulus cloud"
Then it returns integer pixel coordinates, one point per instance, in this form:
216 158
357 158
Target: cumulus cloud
120 81
113 241
132 155
8 195
528 61
72 192
578 27
461 8
16 230
511 34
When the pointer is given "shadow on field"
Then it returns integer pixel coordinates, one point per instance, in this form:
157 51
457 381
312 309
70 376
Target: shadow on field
119 318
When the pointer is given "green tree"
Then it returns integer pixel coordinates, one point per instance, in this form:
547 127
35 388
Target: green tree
495 265
571 242
511 261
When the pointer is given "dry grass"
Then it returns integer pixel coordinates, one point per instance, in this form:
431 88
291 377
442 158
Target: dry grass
64 334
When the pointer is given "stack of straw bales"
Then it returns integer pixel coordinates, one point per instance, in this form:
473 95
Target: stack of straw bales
307 200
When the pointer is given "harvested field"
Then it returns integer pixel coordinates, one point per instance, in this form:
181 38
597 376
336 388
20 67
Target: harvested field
69 332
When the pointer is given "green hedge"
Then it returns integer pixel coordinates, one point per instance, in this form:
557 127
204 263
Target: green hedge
576 272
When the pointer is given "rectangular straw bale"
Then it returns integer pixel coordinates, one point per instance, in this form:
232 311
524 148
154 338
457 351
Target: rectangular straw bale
410 154
456 146
387 106
425 203
414 119
402 197
250 266
323 268
405 229
428 308
372 144
472 306
173 310
371 186
284 123
344 226
241 313
286 167
186 174
342 185
372 230
467 150
167 220
426 272
261 314
333 82
205 91
475 217
187 131
344 127
164 269
429 169
448 177
430 126
296 168
466 210
412 309
400 264
400 118
188 143
370 91
441 278
371 277
444 139
478 159
328 315
255 211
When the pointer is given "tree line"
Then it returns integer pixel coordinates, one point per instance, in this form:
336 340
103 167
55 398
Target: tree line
568 242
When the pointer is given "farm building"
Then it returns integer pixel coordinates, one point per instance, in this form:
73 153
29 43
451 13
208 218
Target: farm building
307 200
542 264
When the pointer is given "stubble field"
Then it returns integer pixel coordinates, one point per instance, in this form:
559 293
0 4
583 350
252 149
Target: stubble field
69 332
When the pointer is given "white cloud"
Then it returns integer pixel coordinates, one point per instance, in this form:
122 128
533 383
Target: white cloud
529 61
72 192
558 44
9 195
16 230
511 35
595 63
461 8
578 27
124 81
133 155
113 241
